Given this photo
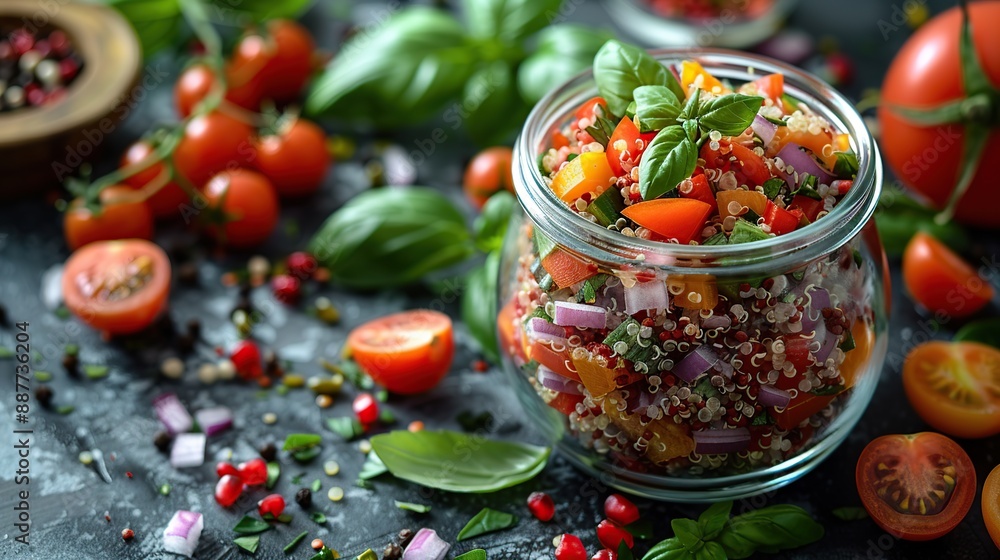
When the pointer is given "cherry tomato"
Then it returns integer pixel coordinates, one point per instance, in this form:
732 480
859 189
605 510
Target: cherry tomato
487 173
926 73
289 64
589 110
991 504
213 143
242 87
123 215
167 200
917 487
117 287
408 352
940 280
248 206
955 387
296 160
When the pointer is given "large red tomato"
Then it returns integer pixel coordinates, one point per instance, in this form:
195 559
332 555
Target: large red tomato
927 73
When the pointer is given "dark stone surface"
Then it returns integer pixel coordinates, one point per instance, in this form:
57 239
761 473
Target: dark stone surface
69 500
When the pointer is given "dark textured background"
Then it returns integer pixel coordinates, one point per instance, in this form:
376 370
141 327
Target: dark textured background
68 499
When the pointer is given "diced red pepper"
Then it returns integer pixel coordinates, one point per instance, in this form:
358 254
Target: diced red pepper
567 269
772 86
626 132
700 189
810 206
543 353
673 218
559 140
565 403
799 408
842 186
749 168
586 111
780 221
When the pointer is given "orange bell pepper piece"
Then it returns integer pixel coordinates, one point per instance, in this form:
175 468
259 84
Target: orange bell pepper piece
751 199
691 71
589 172
674 218
694 291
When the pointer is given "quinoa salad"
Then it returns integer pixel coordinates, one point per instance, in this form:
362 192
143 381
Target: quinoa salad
697 373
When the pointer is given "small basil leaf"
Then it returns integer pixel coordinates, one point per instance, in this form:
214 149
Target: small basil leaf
486 521
157 22
508 20
656 106
773 186
273 472
687 531
669 549
250 526
770 529
620 68
301 441
986 331
711 551
624 552
713 519
669 159
491 224
475 554
729 114
372 467
850 513
690 109
248 544
479 305
346 427
691 129
846 166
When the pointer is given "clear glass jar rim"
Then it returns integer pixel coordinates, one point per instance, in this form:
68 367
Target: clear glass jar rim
842 224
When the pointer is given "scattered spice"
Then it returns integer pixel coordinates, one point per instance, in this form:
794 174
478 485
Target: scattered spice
331 468
304 498
268 452
404 537
269 418
172 368
43 394
162 441
324 401
127 534
317 544
392 551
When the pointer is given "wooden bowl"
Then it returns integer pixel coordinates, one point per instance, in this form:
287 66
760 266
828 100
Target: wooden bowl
42 146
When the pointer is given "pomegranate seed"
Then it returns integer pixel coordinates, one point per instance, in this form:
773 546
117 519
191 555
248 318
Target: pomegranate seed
480 366
612 534
222 468
228 490
287 289
605 555
128 474
302 265
273 504
246 357
541 506
68 69
621 510
365 408
128 534
570 548
253 472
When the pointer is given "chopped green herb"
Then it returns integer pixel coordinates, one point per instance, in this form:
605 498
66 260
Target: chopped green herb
329 554
285 518
588 292
601 130
295 442
543 245
986 331
751 216
827 390
282 390
316 485
95 371
475 554
846 166
717 239
66 409
637 352
779 122
72 349
381 395
858 259
762 419
624 552
298 478
850 513
773 186
5 352
43 376
361 483
386 417
318 517
848 344
351 371
346 427
307 454
807 189
538 312
607 207
295 542
745 232
248 544
486 521
164 489
410 506
273 472
642 529
571 157
372 467
250 526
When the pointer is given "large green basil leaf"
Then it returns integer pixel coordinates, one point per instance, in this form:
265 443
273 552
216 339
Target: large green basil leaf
770 529
509 20
729 114
669 549
479 305
491 107
156 22
488 520
458 462
670 158
656 107
620 68
713 519
401 73
563 51
391 237
984 331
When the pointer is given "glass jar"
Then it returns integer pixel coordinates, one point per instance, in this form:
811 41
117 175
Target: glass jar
764 359
742 24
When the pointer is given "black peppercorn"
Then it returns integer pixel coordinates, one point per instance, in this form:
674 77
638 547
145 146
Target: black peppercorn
304 497
187 274
162 441
392 551
268 452
404 537
71 364
43 394
194 328
185 343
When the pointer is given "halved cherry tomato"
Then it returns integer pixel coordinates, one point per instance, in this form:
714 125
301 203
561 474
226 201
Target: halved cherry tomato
751 199
627 138
123 215
673 218
991 504
691 71
697 187
771 86
748 167
408 352
780 221
917 487
243 88
955 387
589 109
295 160
245 203
587 173
940 280
489 171
165 202
213 143
117 287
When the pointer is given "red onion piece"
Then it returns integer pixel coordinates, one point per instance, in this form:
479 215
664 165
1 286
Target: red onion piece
819 299
580 315
539 325
546 337
426 545
552 380
764 128
182 533
188 451
646 295
803 163
611 297
695 363
172 414
716 322
214 420
714 442
770 395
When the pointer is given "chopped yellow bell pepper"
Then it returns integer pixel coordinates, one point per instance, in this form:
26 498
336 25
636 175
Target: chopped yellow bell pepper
589 172
693 291
751 199
597 378
690 71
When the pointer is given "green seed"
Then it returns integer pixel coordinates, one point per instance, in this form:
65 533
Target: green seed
293 380
326 385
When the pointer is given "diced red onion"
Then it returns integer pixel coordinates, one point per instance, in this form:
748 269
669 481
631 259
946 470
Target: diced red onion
426 545
188 451
214 420
547 337
552 380
695 363
827 344
716 322
803 163
611 297
764 128
172 414
644 400
769 395
182 533
539 325
646 295
819 299
582 315
714 442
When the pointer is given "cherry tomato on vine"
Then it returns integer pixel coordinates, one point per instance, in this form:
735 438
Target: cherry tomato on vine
407 352
940 280
295 159
123 215
245 203
166 201
918 486
488 172
213 143
991 504
285 58
242 87
117 287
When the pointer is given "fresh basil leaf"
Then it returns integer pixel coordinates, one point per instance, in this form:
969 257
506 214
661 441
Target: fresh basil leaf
669 549
294 442
691 129
713 519
620 68
457 462
846 166
850 513
509 21
711 551
770 529
273 472
490 226
479 305
346 427
250 526
773 186
642 529
157 22
306 454
402 72
318 517
295 542
669 159
316 485
490 105
717 239
729 114
624 552
691 106
656 106
563 51
602 130
391 237
410 506
986 331
475 554
486 521
745 232
687 531
248 544
372 467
